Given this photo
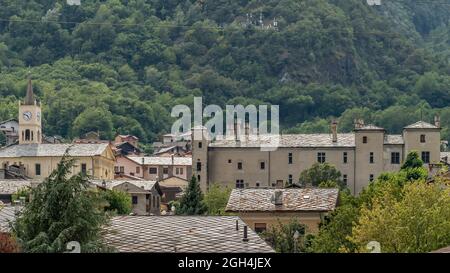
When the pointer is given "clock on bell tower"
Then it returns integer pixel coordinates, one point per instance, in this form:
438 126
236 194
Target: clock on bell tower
30 125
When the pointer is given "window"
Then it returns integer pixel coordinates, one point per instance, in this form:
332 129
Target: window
181 171
239 165
165 170
371 158
198 178
422 138
134 199
152 170
116 169
229 160
200 145
395 158
239 184
262 165
138 169
426 157
260 227
364 139
37 169
199 166
257 184
371 177
344 179
290 158
122 169
321 157
83 168
290 179
177 170
345 157
27 134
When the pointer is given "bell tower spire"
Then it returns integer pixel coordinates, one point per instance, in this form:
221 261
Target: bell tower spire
30 125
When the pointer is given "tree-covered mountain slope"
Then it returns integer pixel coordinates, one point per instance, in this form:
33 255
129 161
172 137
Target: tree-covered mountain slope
120 65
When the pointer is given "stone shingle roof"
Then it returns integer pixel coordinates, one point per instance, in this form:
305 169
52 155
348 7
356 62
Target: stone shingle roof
11 186
294 199
110 184
195 234
421 125
162 160
394 139
369 127
7 215
32 150
291 140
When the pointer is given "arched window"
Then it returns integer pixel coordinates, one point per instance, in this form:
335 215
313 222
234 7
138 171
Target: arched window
23 135
32 135
198 178
27 134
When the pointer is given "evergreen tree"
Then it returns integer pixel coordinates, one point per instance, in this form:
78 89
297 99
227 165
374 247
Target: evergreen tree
62 209
412 161
192 201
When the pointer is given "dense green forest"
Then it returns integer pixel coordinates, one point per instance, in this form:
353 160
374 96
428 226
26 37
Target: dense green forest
120 65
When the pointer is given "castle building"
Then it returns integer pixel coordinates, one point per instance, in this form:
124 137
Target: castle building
34 159
360 156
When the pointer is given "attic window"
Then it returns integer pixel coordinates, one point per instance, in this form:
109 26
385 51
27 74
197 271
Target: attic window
422 139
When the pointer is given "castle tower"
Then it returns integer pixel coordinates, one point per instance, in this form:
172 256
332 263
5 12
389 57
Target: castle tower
30 125
200 142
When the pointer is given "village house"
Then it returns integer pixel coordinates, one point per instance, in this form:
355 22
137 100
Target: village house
184 234
172 188
263 209
159 168
37 160
360 156
145 195
10 128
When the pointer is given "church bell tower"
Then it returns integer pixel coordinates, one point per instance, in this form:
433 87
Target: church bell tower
30 125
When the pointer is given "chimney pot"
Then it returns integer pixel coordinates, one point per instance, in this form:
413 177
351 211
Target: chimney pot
245 234
278 198
334 130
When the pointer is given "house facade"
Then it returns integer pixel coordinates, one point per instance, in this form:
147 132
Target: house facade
360 156
158 168
263 209
145 195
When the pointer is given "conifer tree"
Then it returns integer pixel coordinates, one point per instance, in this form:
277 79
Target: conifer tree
192 201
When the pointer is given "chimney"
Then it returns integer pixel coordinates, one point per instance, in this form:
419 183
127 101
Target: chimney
245 234
334 130
437 121
278 198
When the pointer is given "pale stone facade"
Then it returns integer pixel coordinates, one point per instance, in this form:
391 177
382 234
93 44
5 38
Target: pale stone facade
360 156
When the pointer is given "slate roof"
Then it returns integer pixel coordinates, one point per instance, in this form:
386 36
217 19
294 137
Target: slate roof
294 199
162 160
11 186
421 125
32 150
194 234
394 139
369 127
442 250
291 140
110 184
7 215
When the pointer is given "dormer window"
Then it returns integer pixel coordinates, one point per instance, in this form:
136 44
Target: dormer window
422 139
364 139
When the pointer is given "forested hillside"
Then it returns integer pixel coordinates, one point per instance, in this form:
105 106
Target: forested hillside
120 65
